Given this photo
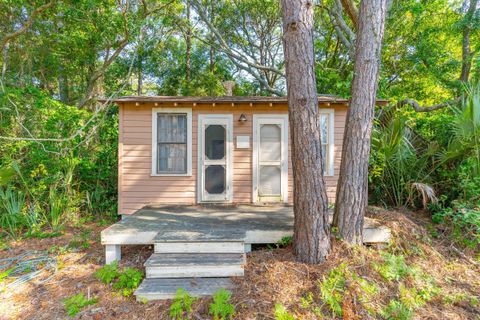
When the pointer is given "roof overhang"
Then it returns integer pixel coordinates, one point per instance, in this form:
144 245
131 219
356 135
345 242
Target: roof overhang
322 99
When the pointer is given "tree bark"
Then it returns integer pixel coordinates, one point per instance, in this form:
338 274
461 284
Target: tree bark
311 227
466 50
352 192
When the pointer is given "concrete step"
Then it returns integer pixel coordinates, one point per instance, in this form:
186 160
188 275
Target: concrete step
199 247
181 265
160 289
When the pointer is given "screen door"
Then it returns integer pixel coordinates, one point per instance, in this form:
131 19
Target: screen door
215 133
270 167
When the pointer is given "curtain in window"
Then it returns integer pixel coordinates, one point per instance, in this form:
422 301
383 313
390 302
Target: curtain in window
171 143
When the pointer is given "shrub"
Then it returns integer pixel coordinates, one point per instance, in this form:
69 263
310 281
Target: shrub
75 303
182 305
221 308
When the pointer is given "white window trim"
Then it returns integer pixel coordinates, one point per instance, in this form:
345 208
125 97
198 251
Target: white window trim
156 111
330 171
229 154
270 119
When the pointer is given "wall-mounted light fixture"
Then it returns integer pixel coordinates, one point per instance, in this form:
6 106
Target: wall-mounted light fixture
243 118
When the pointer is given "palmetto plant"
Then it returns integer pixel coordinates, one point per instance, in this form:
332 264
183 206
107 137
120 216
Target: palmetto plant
12 204
465 141
400 161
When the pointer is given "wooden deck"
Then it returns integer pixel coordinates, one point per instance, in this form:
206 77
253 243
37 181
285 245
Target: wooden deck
249 224
199 248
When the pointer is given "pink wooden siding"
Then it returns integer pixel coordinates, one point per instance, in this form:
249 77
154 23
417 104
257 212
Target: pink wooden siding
137 188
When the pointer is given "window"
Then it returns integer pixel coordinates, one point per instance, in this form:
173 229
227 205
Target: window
171 142
327 136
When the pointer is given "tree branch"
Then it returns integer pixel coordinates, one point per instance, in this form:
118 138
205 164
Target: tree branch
225 46
416 106
26 25
351 10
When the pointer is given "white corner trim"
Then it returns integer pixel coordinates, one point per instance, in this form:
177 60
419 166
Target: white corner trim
330 171
281 119
188 112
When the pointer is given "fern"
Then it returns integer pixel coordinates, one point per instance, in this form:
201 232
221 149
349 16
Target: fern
332 289
75 303
182 305
397 311
281 313
221 308
128 280
393 267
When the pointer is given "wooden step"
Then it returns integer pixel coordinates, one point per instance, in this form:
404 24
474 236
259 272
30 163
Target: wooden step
181 265
199 247
161 289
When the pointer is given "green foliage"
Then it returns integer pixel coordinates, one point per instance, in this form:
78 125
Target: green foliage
128 280
124 281
76 303
11 210
285 241
281 313
393 268
396 310
181 307
332 288
221 308
462 219
108 273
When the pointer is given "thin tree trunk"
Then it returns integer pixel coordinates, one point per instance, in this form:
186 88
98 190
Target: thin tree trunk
212 49
352 190
466 50
311 228
188 40
140 78
63 85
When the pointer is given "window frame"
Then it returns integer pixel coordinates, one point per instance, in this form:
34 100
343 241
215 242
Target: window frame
329 171
154 149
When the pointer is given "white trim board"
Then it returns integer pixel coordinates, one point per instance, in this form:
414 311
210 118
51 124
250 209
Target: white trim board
282 120
226 119
330 171
188 112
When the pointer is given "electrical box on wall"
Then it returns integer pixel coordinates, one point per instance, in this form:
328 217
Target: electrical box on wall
243 142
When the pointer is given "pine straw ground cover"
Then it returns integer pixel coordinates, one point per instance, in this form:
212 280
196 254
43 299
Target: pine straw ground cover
415 276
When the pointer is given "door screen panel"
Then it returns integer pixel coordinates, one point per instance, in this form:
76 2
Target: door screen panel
270 181
215 142
215 179
270 142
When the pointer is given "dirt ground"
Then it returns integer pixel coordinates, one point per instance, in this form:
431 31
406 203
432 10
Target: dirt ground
271 276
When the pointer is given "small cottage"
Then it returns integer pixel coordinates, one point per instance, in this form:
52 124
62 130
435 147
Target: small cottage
233 150
202 179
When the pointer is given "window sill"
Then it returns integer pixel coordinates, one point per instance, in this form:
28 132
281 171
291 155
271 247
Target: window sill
171 175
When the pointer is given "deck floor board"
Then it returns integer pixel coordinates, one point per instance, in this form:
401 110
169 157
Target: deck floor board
246 223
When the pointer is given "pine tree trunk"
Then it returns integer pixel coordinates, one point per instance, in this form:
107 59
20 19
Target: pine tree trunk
352 190
311 228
